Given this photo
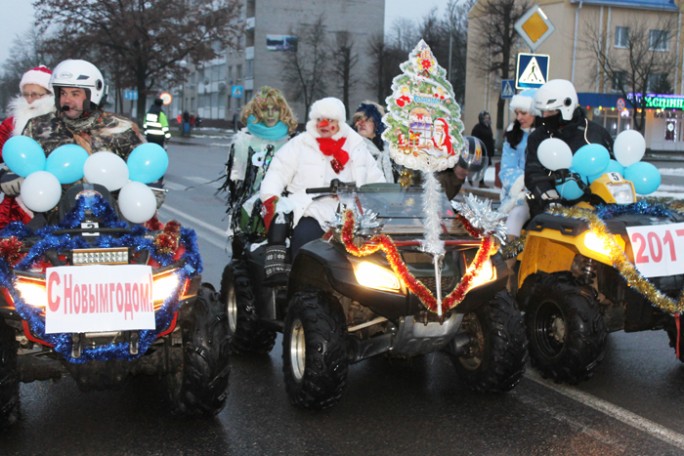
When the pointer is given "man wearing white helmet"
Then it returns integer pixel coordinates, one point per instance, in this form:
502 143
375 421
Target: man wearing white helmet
79 95
562 118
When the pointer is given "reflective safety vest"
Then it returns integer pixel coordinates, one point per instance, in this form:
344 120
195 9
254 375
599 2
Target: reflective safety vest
156 125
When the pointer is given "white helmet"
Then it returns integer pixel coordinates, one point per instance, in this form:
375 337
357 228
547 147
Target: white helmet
557 94
81 74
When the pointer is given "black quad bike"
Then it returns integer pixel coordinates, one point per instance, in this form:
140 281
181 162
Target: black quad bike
595 268
337 308
93 296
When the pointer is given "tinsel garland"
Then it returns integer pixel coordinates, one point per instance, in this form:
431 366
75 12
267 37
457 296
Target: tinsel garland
618 257
384 242
183 239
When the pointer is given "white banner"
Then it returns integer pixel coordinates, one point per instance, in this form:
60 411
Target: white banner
98 298
658 249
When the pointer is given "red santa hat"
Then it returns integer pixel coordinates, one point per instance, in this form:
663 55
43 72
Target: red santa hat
39 75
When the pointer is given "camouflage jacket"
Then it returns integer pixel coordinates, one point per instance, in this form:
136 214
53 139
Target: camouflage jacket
100 131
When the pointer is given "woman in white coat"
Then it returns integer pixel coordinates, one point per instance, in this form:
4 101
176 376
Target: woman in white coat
328 149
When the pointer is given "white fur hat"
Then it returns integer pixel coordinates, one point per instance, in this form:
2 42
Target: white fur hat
328 108
524 101
39 75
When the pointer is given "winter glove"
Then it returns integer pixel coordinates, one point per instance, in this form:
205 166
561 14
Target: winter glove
10 183
550 195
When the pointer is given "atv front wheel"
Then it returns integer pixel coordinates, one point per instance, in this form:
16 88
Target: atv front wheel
314 353
248 336
497 352
9 377
566 331
200 386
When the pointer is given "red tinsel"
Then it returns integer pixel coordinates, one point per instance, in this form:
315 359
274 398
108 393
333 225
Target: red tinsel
385 243
167 241
329 146
10 249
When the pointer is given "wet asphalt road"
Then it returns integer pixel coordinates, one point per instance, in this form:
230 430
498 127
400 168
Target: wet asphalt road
632 406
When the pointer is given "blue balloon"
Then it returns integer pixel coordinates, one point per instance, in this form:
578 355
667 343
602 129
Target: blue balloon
66 163
590 159
613 167
645 177
23 155
147 163
569 190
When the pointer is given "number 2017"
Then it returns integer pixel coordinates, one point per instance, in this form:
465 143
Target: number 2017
656 247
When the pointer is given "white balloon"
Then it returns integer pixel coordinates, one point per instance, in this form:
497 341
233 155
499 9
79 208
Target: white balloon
554 154
629 147
41 191
106 168
137 202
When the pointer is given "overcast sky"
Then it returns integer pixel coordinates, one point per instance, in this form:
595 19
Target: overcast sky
17 17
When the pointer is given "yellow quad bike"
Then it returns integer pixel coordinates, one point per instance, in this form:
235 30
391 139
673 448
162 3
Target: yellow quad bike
578 279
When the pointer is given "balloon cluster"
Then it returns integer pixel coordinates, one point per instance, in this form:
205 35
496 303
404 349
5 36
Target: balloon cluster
591 161
69 163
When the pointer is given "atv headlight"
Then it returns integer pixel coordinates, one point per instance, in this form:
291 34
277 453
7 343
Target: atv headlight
165 284
32 291
622 193
596 243
371 275
486 274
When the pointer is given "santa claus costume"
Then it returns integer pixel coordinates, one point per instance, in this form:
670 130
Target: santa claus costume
20 110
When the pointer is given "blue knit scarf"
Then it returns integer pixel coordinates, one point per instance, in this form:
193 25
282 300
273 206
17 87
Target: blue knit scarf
274 133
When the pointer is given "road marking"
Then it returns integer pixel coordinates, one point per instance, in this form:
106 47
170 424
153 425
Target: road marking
211 228
625 416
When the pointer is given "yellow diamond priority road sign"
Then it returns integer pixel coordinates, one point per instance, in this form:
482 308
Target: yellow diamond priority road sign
534 27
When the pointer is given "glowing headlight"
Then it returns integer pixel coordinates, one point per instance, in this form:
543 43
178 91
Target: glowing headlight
164 286
373 276
596 243
32 292
114 255
487 274
622 193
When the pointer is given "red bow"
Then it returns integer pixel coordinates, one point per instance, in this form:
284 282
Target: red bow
329 146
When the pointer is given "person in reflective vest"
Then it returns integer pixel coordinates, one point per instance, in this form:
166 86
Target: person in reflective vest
156 125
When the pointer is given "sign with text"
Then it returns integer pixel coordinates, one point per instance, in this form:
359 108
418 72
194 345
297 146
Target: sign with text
658 249
97 298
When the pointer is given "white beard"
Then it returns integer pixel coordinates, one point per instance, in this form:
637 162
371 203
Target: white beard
23 111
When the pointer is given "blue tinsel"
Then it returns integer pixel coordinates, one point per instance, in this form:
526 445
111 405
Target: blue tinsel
135 240
642 207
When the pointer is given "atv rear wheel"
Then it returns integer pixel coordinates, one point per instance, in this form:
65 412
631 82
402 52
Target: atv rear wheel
200 386
566 331
497 353
314 350
9 377
248 336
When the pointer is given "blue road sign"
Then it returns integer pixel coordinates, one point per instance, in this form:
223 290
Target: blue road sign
130 94
532 71
237 91
507 90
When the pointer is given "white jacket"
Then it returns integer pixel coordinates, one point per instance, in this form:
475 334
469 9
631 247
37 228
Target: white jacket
300 164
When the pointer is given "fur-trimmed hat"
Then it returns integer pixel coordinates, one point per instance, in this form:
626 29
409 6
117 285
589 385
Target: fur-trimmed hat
328 108
39 75
524 101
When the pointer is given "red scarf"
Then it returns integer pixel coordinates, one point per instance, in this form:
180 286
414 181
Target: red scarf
333 147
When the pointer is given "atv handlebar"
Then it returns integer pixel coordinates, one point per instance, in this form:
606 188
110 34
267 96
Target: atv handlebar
336 186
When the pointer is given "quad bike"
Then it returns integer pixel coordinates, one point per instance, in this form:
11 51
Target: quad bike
90 295
337 308
594 268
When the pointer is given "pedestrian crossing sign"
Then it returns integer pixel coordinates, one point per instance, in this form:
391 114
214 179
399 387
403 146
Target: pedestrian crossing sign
507 90
532 71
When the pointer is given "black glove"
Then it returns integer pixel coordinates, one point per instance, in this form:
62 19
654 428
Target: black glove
10 183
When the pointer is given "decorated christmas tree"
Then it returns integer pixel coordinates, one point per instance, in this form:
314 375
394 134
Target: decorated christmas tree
424 127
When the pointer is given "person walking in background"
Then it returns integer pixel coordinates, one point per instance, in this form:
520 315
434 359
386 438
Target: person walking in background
35 99
156 124
367 122
483 131
185 125
512 174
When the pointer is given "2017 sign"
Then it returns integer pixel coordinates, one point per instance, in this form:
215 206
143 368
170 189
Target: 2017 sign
658 249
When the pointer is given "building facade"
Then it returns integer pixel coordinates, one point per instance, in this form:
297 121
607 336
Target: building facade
220 88
580 25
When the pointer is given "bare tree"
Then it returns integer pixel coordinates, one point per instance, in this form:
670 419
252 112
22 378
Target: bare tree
344 64
25 53
304 67
637 59
377 51
140 42
494 27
